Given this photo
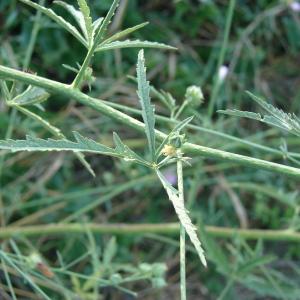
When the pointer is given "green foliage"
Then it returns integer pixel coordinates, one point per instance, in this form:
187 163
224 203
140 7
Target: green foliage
277 117
44 196
147 108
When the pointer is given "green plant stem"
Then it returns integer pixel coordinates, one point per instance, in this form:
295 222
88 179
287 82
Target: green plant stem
217 80
180 110
80 75
164 119
141 229
182 230
34 33
67 91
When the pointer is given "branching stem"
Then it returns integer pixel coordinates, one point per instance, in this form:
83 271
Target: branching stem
67 91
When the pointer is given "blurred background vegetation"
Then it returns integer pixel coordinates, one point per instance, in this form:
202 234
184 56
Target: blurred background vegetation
262 56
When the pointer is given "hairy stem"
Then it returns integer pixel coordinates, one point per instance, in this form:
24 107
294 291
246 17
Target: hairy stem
67 91
132 229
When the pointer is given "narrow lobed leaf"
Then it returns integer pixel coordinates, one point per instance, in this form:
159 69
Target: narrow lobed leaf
85 10
99 34
124 33
279 118
147 109
126 152
183 217
58 19
77 15
33 144
132 44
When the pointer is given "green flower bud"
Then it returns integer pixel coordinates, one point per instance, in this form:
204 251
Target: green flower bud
116 278
194 96
159 269
158 282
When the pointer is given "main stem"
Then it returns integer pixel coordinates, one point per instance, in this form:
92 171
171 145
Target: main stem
142 229
99 105
182 230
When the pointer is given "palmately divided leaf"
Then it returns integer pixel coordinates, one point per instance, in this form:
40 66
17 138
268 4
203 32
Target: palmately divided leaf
132 44
85 10
183 217
147 109
32 95
59 20
277 117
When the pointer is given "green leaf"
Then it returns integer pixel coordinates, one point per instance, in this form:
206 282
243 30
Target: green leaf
132 44
253 263
96 26
59 20
147 108
243 114
279 118
99 34
85 10
82 144
126 152
110 251
183 216
77 15
124 33
5 91
177 128
32 95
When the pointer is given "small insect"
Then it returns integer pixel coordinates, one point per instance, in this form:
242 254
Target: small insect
168 150
45 270
35 262
29 71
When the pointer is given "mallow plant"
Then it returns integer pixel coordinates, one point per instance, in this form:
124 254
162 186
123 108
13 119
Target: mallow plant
23 91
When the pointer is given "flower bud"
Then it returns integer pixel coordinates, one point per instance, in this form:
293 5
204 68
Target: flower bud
194 96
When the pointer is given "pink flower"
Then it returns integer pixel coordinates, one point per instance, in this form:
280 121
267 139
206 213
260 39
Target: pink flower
171 176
